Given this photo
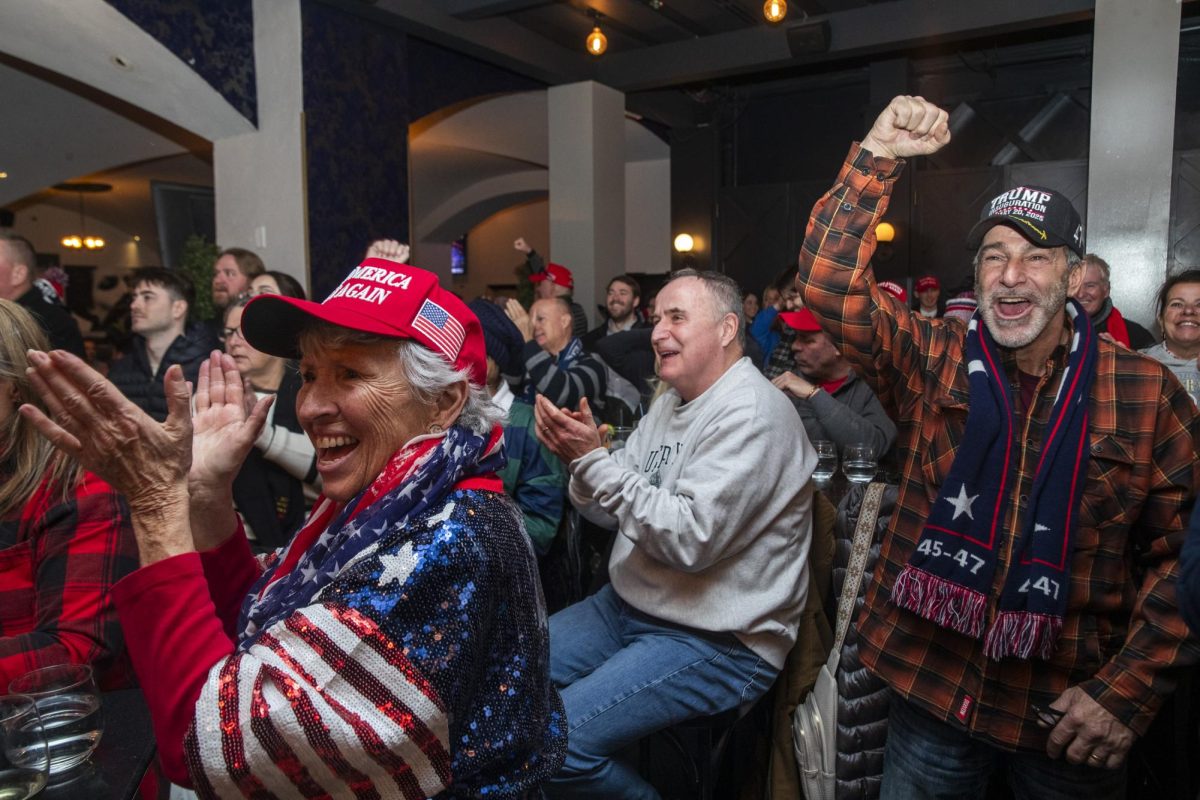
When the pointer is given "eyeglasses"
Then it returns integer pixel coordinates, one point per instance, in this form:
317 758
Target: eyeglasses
228 333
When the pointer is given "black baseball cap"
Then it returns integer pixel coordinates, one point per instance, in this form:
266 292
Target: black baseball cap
1043 216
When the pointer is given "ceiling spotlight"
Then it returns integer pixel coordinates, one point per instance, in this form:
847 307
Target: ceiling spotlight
775 10
684 243
3 175
597 42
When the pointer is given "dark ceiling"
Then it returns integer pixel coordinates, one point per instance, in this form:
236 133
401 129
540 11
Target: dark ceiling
656 44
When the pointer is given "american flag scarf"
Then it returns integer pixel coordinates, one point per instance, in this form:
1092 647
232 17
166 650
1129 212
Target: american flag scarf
948 578
416 479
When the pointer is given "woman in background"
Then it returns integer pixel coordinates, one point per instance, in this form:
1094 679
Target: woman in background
276 283
1179 319
65 536
269 490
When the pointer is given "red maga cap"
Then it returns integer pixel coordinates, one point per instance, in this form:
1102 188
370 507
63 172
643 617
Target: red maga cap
928 282
383 297
895 290
556 274
802 320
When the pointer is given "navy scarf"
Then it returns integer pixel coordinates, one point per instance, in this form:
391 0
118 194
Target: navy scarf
948 579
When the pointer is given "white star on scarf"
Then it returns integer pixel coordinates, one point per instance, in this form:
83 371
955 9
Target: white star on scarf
399 566
962 503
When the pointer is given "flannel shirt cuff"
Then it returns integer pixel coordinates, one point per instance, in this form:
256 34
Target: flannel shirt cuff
861 169
1110 687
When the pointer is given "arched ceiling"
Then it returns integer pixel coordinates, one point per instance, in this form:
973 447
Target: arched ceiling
471 161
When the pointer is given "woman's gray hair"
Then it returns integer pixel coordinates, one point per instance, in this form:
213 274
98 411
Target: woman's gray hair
725 293
427 373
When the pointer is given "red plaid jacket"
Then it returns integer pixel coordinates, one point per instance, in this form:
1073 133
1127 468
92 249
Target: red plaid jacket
58 561
1122 635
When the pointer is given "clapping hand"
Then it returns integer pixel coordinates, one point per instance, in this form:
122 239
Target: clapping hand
520 317
148 462
227 422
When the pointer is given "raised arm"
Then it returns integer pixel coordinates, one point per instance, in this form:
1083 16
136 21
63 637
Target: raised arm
872 329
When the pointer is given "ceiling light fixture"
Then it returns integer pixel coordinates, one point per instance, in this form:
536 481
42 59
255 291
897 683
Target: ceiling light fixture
3 175
684 243
597 42
775 10
81 241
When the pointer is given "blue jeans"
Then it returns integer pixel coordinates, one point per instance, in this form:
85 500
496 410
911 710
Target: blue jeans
624 675
928 758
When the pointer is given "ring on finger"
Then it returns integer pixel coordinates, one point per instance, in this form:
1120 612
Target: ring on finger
1096 757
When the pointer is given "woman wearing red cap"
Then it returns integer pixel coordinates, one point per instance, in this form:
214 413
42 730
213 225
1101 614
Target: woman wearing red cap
397 646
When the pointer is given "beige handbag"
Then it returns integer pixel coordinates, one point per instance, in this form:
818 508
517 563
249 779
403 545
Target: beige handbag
814 722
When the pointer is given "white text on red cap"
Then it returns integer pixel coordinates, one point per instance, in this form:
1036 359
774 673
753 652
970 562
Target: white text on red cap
351 286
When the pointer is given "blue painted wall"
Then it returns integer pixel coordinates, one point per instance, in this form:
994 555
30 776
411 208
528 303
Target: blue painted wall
363 84
214 37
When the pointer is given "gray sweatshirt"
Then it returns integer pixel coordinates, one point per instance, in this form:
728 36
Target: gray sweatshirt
713 505
1184 368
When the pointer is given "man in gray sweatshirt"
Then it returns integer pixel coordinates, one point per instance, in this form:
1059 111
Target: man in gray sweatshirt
712 502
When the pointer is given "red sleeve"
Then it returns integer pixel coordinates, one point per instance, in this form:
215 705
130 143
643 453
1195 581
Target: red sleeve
175 638
230 570
76 551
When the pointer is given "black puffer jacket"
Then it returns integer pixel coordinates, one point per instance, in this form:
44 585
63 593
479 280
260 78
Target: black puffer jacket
863 699
131 373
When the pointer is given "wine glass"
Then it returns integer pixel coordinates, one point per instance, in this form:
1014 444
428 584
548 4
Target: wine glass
859 463
24 754
69 705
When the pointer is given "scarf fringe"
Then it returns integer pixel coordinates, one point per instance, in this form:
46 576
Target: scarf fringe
942 602
1022 634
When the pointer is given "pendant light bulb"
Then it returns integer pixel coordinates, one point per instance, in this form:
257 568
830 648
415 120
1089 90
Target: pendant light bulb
597 42
775 10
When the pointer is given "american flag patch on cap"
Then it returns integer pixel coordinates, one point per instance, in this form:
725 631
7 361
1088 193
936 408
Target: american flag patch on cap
437 324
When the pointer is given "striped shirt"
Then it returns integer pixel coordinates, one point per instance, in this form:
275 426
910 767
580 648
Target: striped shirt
1122 633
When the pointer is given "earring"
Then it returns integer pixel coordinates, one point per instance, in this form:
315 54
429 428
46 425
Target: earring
435 428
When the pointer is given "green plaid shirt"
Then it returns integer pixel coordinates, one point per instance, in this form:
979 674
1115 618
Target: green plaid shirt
1122 636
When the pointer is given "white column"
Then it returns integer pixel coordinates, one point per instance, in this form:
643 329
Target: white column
1135 63
587 186
259 177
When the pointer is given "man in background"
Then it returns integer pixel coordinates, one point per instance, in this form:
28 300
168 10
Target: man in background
1093 295
161 337
834 403
18 263
232 272
553 280
623 296
929 290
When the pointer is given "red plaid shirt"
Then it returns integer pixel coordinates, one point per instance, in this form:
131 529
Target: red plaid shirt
58 561
1122 634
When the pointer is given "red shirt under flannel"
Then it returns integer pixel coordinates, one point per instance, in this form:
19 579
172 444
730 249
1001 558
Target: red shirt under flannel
1122 633
58 561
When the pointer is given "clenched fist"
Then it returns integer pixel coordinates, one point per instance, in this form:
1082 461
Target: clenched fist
909 126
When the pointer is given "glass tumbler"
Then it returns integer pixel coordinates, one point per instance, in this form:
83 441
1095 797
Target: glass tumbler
24 754
859 463
827 461
69 705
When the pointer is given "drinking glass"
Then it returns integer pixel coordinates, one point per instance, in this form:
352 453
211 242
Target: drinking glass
827 461
617 436
859 463
24 756
69 705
